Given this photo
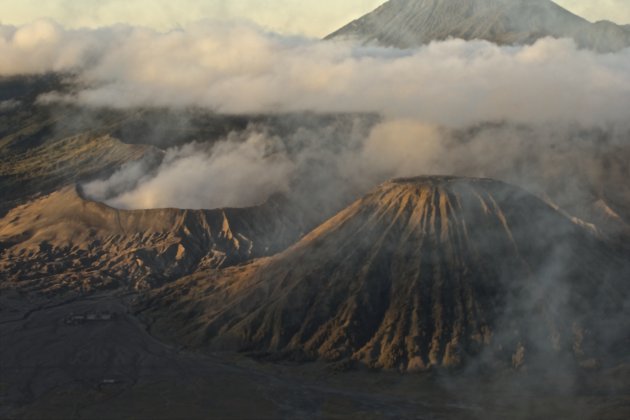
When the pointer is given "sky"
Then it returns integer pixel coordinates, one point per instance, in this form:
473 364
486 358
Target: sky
314 18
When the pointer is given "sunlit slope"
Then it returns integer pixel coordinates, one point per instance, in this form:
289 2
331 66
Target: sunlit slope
67 243
419 273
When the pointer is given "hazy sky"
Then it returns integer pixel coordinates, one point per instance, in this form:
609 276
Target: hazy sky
308 17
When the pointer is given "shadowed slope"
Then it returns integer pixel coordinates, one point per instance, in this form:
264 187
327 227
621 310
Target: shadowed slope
421 272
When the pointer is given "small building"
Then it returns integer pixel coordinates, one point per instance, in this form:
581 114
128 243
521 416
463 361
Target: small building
89 317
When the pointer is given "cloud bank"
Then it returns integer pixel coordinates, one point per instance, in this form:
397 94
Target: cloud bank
238 68
525 114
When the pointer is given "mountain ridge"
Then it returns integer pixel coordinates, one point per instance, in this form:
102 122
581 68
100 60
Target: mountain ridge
66 242
420 273
412 23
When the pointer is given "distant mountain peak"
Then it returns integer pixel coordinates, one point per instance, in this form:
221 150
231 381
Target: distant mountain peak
412 23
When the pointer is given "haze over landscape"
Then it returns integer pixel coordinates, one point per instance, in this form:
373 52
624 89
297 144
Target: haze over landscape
415 209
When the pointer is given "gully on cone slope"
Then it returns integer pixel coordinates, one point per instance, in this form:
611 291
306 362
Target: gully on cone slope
419 273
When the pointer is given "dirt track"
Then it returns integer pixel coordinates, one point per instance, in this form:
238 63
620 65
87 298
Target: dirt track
116 370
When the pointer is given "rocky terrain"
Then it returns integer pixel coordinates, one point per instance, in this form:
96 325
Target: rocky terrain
420 273
65 243
411 23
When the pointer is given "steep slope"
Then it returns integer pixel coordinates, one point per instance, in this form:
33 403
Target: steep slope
411 23
419 273
64 242
29 170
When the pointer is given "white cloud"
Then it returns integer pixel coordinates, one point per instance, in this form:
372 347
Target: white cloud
241 69
422 93
234 173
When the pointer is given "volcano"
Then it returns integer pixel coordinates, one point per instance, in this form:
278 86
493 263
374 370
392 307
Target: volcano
66 242
412 23
420 273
